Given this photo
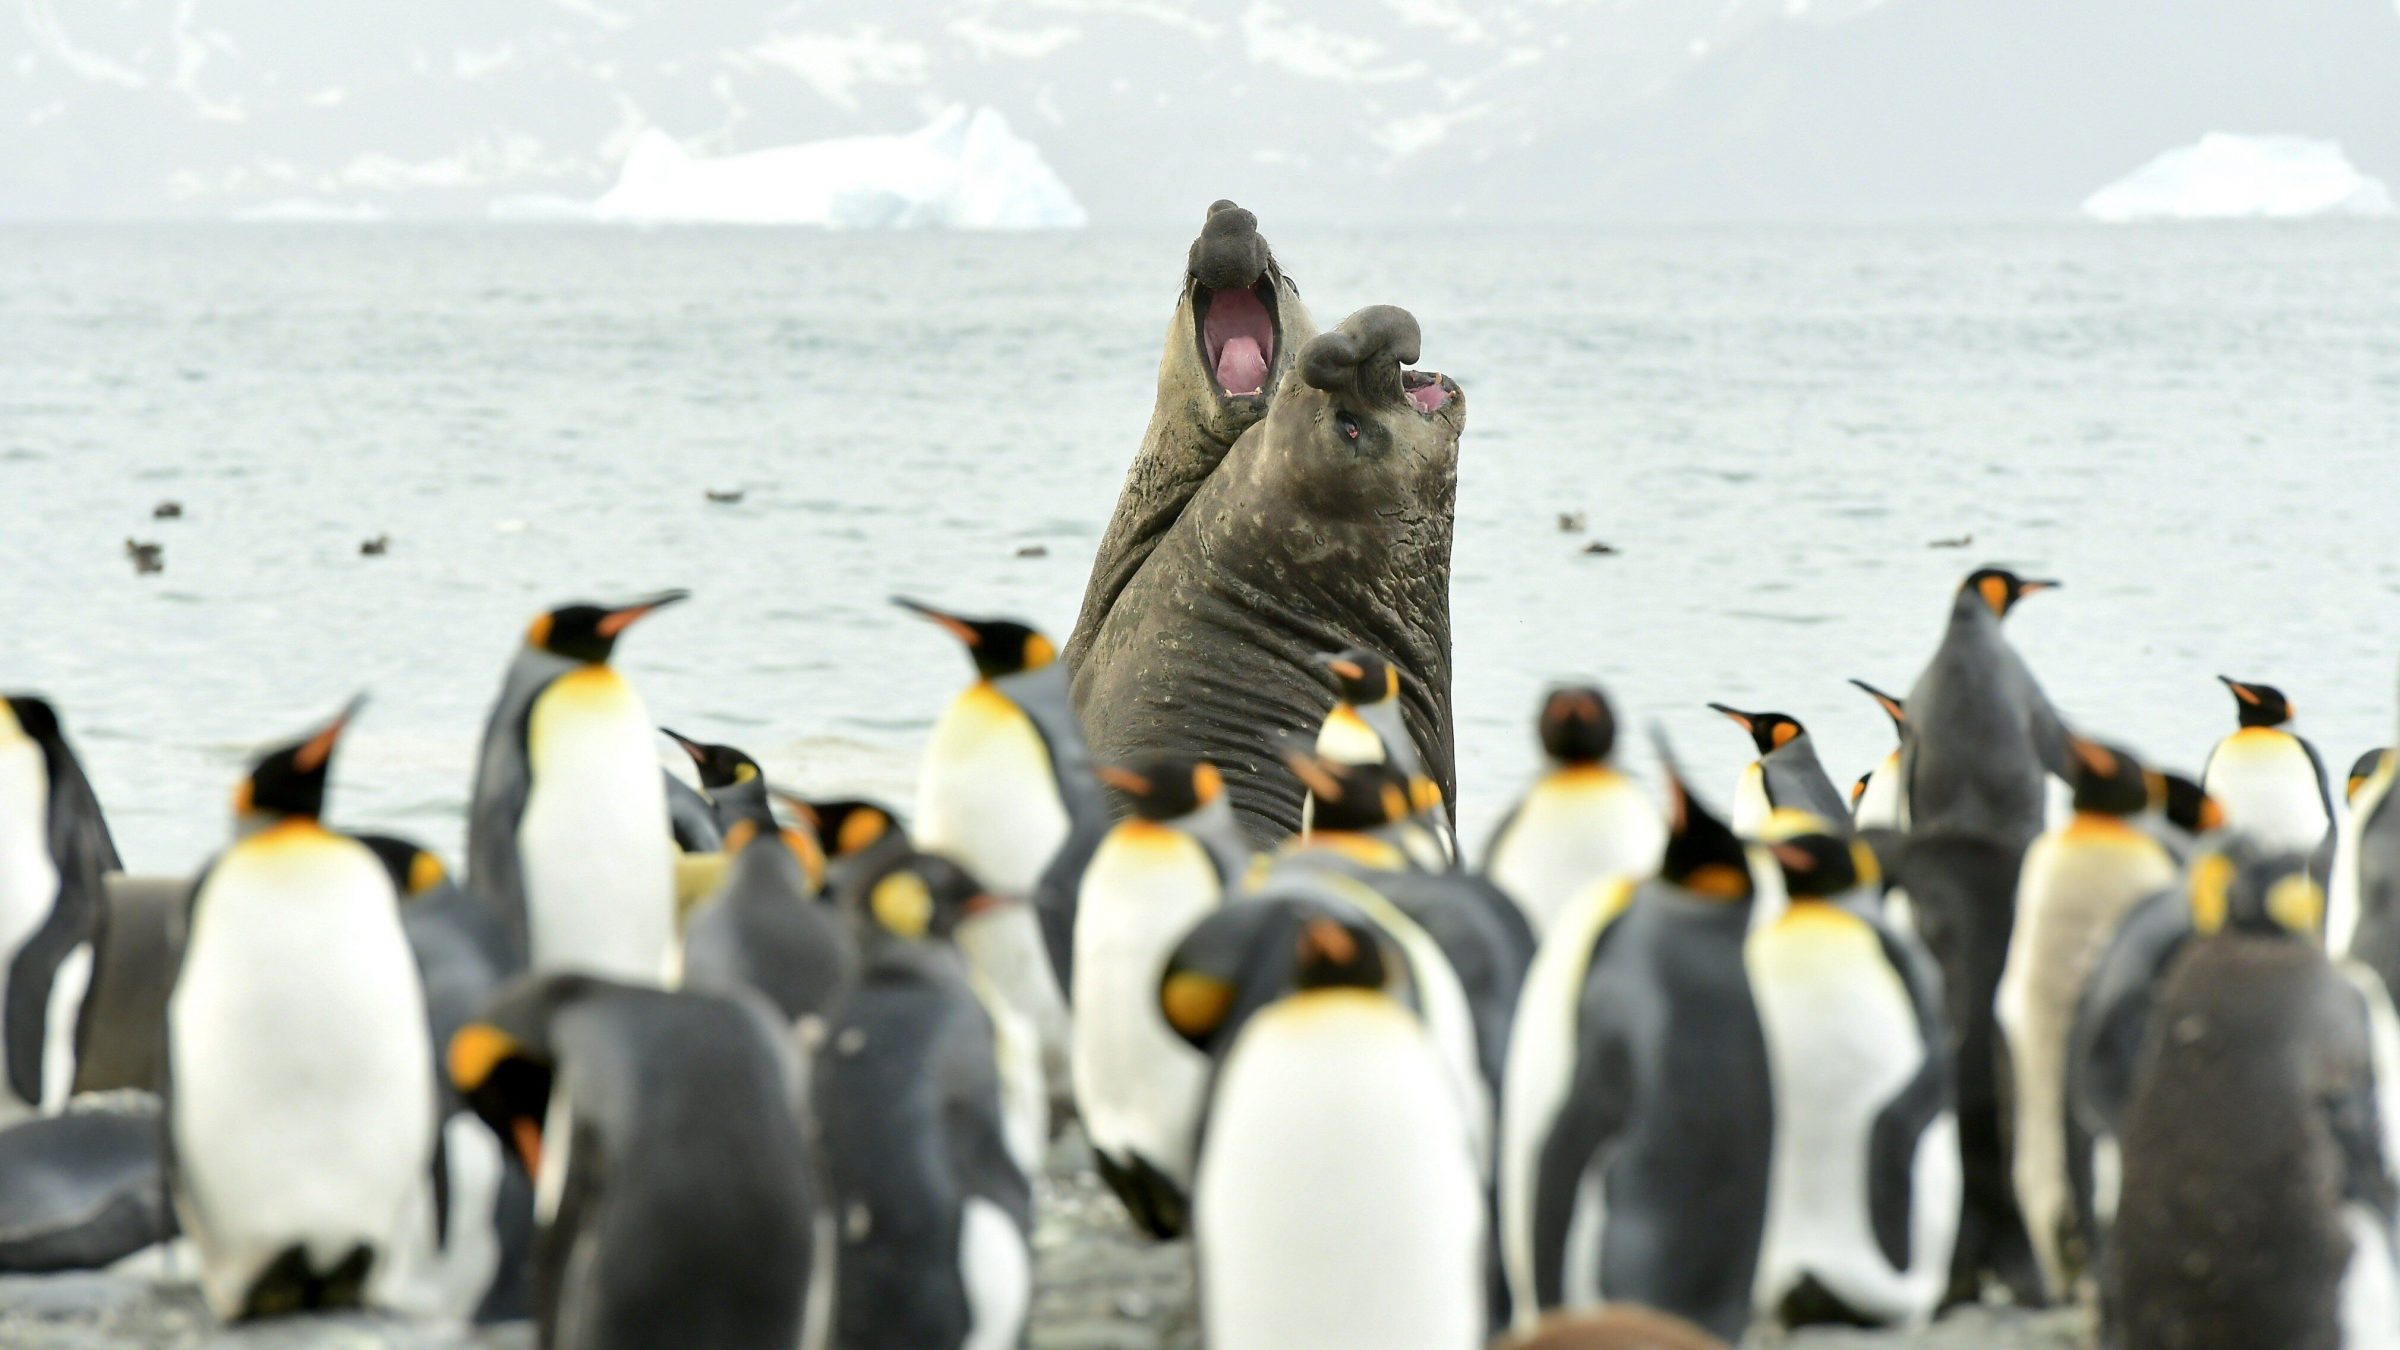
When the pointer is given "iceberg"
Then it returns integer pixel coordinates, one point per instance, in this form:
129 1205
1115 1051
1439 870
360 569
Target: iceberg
963 171
2228 177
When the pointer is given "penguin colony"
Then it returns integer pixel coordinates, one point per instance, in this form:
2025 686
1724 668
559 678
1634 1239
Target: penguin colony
724 1066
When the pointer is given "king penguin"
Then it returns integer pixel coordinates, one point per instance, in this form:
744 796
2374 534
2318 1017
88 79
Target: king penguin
930 1182
2268 777
2370 777
54 850
732 780
465 1248
1863 1207
673 1184
1366 726
1981 736
300 1102
2259 1200
1582 821
2078 883
1139 1086
1877 802
1638 1120
1787 774
569 834
1008 790
1339 1204
763 928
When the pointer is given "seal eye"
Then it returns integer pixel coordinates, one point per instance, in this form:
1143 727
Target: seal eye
1347 423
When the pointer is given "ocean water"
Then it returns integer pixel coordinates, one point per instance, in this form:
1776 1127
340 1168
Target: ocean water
2196 429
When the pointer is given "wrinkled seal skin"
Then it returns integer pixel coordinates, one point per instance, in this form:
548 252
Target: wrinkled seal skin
1211 599
1194 422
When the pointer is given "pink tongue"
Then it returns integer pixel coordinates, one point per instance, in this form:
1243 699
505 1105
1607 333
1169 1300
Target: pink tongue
1241 366
1429 397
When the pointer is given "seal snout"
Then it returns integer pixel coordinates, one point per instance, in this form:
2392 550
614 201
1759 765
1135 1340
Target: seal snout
1233 301
1366 361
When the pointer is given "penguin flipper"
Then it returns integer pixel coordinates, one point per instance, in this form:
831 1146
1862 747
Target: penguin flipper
1597 1111
1056 892
556 1269
691 817
25 1021
2324 784
2359 1105
967 1070
79 834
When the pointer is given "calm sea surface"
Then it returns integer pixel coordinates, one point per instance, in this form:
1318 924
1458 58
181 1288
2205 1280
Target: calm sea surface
2197 429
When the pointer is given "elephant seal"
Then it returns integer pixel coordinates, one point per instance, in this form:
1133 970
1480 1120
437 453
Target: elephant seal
1232 565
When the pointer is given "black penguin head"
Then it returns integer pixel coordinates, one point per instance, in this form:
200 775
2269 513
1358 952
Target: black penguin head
2244 887
415 872
29 716
1336 953
1577 726
2107 781
1892 707
2258 705
2185 804
848 826
2362 769
1769 731
2001 589
720 766
1816 865
1000 647
923 897
1165 786
1702 854
502 1063
1354 798
587 632
289 782
1362 676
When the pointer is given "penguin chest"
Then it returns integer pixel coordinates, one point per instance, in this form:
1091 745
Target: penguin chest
988 794
1338 1204
594 843
301 1104
2267 783
1576 827
1751 806
2076 886
1137 1085
1347 739
28 874
1842 1042
1879 806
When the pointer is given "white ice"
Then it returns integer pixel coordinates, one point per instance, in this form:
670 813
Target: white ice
2226 177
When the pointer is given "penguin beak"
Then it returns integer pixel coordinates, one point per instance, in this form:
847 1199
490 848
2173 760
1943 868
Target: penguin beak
1739 719
1312 774
2240 690
690 746
1348 670
956 626
319 748
1892 707
2025 588
1124 780
618 620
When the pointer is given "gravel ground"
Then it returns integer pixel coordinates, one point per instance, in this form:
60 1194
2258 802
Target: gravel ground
1101 1287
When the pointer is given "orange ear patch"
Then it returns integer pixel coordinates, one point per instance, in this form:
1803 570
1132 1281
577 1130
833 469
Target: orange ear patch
1995 594
1786 733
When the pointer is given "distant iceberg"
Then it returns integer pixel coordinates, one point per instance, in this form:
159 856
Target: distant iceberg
2243 177
964 171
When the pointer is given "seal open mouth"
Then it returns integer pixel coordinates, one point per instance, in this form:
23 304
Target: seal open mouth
1237 334
1430 390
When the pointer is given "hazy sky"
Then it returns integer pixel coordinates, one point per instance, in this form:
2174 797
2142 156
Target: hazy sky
1327 110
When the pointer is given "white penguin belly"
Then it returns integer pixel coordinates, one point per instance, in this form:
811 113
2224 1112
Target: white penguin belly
1575 827
28 876
594 843
1449 1019
1337 1205
302 1106
1880 806
1541 1065
988 794
1842 1042
1138 1086
2077 884
1750 805
2267 785
997 1270
446 1274
1011 966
